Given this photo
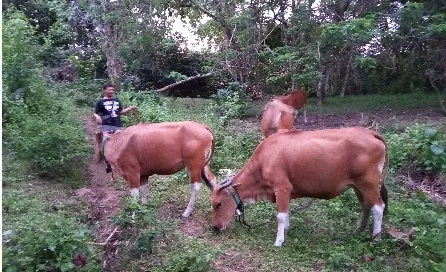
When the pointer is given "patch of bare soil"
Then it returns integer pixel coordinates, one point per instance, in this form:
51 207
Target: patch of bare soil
374 119
104 201
415 181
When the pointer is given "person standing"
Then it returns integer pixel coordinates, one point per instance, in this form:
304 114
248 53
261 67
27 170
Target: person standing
107 114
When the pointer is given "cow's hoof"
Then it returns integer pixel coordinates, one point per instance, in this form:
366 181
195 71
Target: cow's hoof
376 239
359 230
278 244
184 218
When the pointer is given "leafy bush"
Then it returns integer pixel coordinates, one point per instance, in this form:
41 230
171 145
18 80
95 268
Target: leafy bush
84 92
54 147
193 256
233 151
50 243
150 107
230 102
423 146
35 240
40 126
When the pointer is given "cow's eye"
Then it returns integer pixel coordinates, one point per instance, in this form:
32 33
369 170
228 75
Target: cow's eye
218 205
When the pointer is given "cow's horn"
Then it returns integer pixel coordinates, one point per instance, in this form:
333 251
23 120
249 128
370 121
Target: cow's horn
225 183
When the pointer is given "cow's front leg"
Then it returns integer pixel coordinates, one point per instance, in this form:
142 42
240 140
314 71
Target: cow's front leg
283 203
144 189
195 189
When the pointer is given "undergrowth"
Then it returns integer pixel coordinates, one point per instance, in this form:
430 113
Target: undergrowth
43 228
321 236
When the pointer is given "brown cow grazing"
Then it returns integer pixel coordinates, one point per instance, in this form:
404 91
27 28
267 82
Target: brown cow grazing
279 113
318 164
142 150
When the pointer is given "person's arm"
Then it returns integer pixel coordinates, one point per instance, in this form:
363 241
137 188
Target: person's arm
96 116
127 110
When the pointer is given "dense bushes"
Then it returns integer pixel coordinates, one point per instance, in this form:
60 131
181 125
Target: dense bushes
420 145
41 127
35 239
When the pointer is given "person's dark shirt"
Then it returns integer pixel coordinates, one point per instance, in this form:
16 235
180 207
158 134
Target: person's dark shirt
109 109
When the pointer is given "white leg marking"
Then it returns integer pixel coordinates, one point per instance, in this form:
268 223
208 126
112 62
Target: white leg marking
305 115
134 193
195 189
144 189
281 221
377 211
287 221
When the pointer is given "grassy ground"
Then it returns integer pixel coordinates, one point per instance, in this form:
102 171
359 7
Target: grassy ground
44 225
321 237
365 102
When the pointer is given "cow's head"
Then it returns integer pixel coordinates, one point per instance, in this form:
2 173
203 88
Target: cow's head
224 204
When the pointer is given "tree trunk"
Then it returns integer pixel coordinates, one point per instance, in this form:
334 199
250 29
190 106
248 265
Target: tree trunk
320 91
347 73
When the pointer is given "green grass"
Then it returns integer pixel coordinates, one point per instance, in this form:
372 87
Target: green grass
353 103
321 237
45 224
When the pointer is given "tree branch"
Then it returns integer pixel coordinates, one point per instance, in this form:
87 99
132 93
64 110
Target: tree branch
173 85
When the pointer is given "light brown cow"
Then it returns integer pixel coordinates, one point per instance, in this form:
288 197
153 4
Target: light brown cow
279 113
318 164
143 150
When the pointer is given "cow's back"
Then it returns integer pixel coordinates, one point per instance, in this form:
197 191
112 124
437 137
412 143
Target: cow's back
316 161
160 148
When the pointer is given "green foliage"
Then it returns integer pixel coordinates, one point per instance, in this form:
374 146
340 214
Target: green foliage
40 126
192 256
20 54
150 107
34 239
421 145
84 92
230 102
233 150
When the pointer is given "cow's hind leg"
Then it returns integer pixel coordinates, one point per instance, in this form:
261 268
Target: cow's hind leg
370 191
283 204
144 189
195 179
365 212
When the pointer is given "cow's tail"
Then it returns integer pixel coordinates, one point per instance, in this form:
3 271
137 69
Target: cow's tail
383 192
207 181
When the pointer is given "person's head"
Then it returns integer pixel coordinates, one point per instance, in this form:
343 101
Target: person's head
109 90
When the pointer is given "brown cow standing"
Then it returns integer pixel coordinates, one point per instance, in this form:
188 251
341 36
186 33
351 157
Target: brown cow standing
143 150
318 164
279 113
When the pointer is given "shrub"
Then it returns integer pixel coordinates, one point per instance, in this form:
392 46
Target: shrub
35 240
421 145
150 107
40 125
231 102
49 243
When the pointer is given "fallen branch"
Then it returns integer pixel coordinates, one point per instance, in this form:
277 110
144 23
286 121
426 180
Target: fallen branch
168 87
106 240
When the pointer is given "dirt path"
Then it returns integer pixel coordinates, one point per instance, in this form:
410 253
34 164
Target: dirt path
104 201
